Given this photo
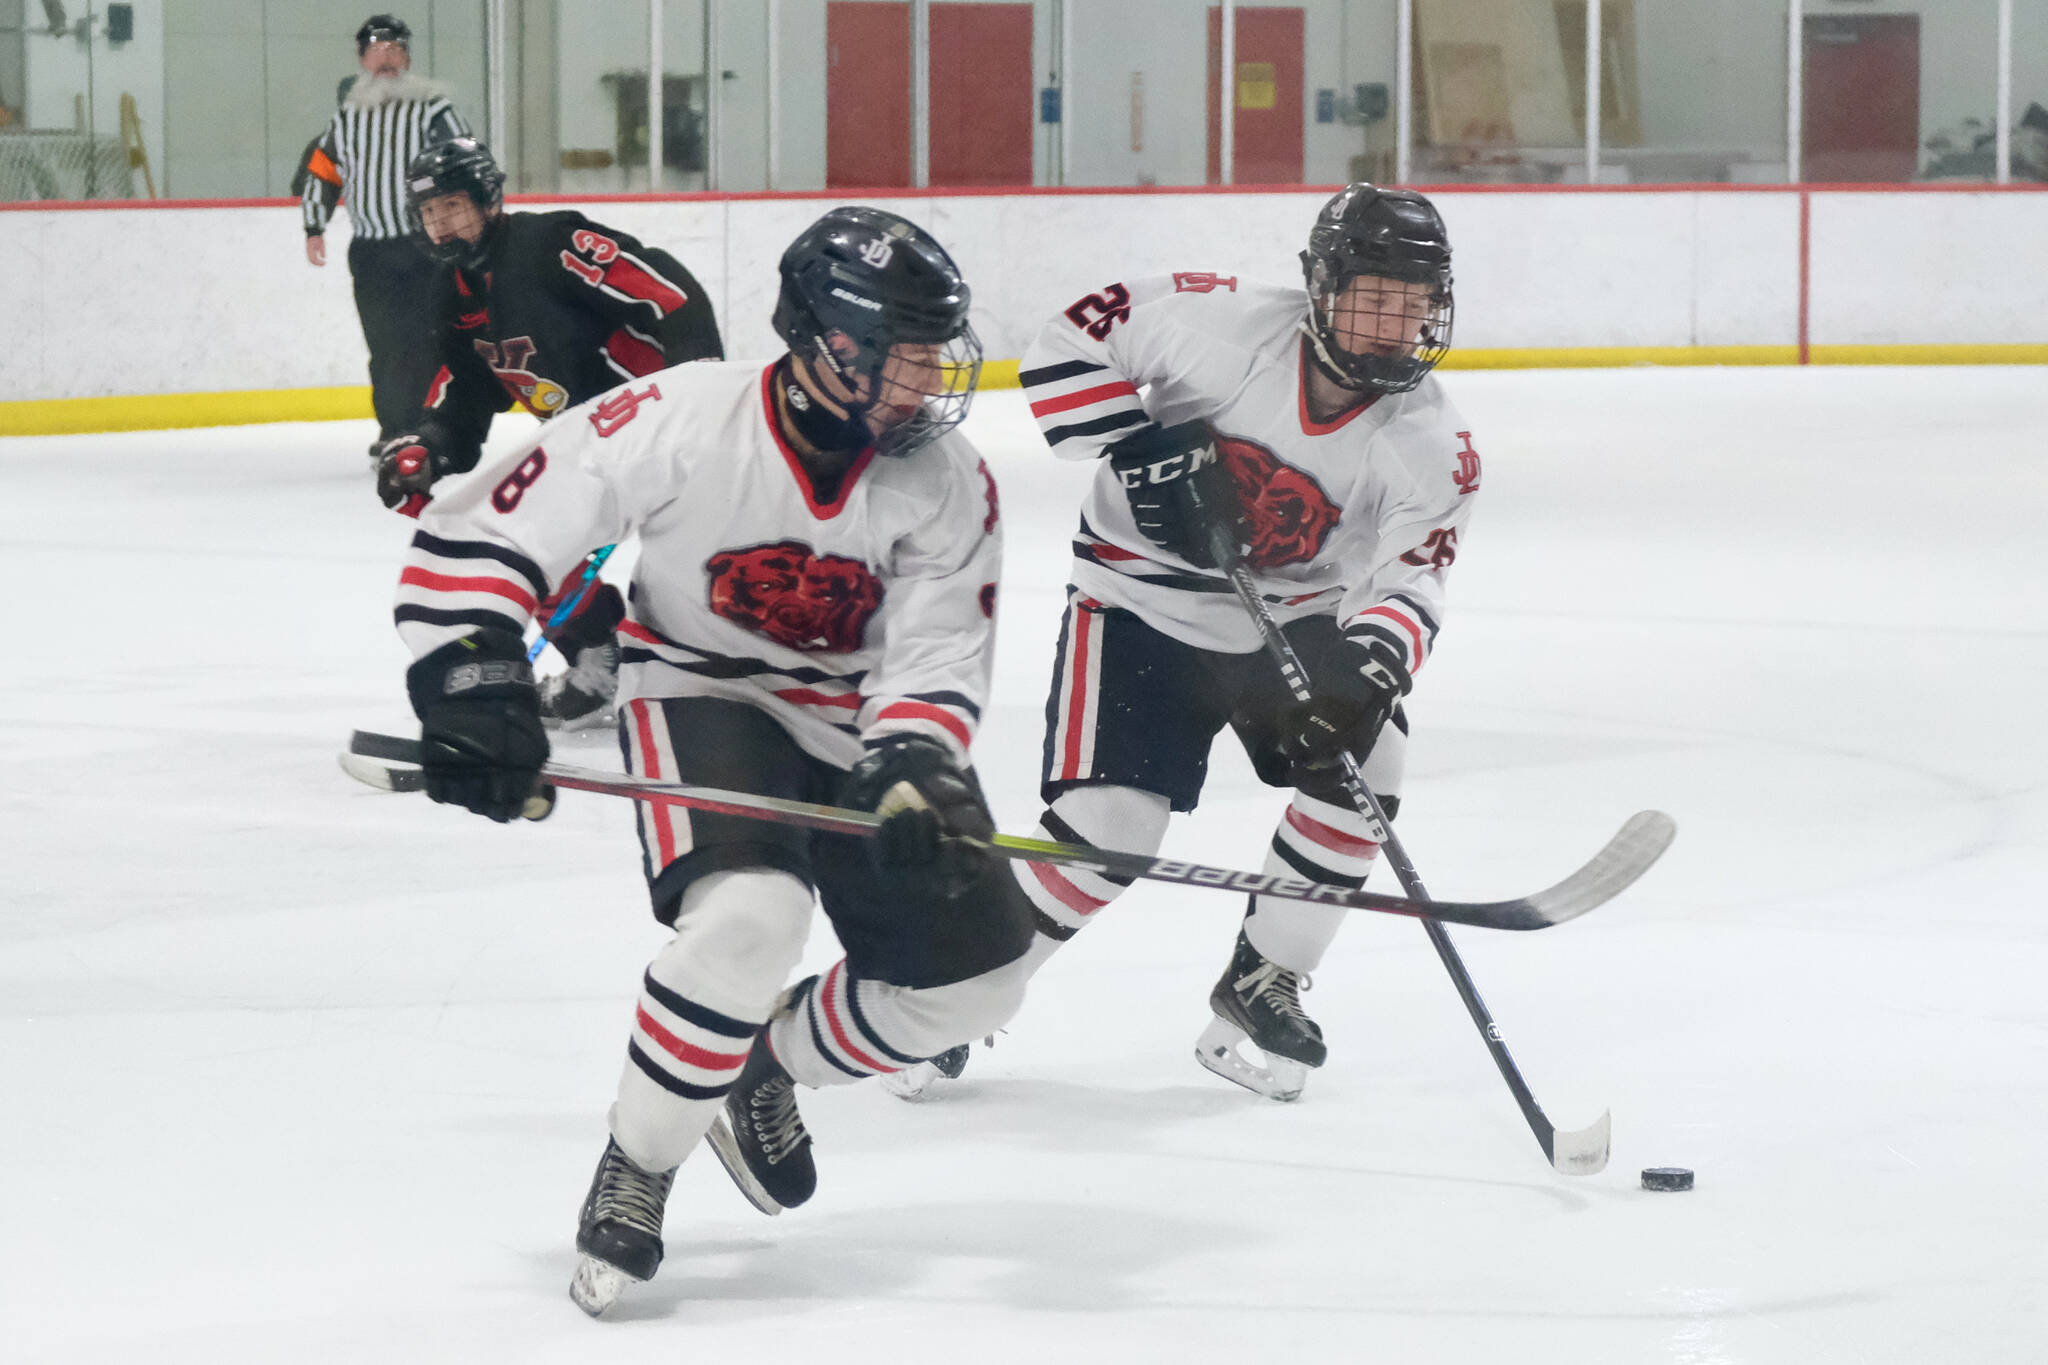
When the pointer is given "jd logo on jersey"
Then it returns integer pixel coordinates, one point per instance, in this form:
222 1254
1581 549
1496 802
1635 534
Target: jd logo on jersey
1467 477
794 595
1287 514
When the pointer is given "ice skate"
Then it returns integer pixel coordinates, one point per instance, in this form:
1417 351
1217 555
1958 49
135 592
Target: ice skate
1258 1001
760 1138
913 1082
581 698
619 1233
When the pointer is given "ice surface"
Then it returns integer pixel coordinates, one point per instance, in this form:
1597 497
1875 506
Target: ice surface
292 1070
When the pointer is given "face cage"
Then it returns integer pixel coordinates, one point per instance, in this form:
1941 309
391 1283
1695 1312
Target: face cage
1368 369
959 368
454 251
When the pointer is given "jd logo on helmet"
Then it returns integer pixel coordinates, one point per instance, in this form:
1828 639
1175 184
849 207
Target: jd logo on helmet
877 253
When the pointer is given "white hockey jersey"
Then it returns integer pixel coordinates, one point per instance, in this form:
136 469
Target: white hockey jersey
1356 518
848 619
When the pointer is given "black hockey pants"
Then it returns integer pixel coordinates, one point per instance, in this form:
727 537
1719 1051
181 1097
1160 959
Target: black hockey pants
394 282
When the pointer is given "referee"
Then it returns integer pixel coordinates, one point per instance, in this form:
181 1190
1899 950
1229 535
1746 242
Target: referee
383 122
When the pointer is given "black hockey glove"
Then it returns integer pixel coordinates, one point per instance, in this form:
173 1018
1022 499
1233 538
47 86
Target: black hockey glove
409 465
1176 485
479 723
1357 688
406 469
928 805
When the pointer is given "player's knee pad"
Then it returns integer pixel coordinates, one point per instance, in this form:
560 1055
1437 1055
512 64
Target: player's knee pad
738 936
926 1021
1122 818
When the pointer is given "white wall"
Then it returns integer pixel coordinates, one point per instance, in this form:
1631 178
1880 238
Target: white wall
1712 75
1535 269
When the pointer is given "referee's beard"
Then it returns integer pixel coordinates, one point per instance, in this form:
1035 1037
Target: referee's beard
370 91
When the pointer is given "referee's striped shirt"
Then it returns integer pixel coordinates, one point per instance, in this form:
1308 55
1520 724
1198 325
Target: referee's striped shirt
362 157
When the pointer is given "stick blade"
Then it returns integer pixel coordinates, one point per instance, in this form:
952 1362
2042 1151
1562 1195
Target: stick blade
1634 850
1583 1152
382 776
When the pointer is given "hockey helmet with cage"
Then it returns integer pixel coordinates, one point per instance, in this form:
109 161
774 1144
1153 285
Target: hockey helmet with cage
1388 234
383 28
880 282
458 165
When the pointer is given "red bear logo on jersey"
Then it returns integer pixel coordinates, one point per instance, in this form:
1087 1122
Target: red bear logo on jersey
795 596
1287 515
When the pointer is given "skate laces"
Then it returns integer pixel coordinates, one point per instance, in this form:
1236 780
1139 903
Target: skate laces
1279 987
626 1194
777 1125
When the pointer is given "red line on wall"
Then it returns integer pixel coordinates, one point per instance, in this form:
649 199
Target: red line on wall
1044 192
1805 269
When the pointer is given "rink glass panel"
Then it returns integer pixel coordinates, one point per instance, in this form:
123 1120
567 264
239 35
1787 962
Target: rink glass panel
219 100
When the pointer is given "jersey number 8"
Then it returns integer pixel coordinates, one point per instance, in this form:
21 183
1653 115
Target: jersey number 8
513 486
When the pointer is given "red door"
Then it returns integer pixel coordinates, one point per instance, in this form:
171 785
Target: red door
1862 98
1266 141
867 94
981 94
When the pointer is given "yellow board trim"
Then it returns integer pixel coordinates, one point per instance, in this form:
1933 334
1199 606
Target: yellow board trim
156 412
1612 357
1930 355
161 411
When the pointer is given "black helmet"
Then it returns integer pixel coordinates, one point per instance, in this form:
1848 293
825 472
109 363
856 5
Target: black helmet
382 28
460 165
881 281
1391 234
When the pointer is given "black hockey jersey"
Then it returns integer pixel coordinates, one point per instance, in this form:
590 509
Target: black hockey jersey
561 310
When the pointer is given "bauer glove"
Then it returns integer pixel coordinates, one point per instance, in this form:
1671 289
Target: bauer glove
930 808
480 733
1177 488
1357 688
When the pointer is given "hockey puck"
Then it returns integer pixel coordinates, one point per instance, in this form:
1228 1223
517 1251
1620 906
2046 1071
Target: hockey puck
1667 1178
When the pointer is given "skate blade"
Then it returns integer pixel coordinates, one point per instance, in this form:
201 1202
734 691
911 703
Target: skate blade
1281 1078
912 1082
604 716
596 1285
726 1148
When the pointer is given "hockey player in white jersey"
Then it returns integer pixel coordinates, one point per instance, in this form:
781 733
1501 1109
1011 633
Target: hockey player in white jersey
1315 419
811 618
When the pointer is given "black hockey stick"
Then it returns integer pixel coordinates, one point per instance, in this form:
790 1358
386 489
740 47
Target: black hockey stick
370 758
1579 1152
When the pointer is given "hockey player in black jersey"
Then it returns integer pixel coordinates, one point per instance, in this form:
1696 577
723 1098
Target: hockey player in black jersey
542 311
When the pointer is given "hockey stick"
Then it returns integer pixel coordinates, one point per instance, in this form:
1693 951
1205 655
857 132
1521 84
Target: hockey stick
562 612
1580 1152
370 756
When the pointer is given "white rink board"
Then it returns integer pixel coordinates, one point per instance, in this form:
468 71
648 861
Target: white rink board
192 300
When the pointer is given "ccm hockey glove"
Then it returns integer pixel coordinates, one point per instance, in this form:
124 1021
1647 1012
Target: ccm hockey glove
479 723
928 805
1176 485
1357 688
